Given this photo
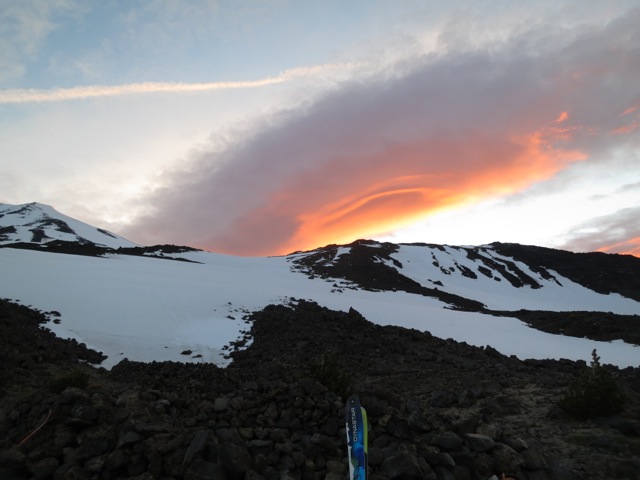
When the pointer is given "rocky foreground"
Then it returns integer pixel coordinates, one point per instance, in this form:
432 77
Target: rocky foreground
437 409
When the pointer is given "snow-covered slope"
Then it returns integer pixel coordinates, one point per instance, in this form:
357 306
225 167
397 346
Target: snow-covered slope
41 224
514 286
155 308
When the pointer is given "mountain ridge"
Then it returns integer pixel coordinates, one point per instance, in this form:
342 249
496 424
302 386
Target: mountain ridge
171 362
447 290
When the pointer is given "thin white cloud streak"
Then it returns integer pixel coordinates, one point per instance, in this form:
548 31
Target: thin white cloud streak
21 96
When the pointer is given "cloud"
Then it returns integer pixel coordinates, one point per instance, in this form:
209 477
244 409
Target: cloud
618 232
380 152
25 26
93 91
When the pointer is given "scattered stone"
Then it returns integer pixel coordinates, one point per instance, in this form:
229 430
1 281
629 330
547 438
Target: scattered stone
437 410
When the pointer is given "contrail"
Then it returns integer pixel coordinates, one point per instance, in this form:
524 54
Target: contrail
94 91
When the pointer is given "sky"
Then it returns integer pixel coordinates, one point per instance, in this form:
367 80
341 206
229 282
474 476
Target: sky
264 127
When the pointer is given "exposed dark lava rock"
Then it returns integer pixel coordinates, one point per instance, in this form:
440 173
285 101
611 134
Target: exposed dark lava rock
603 326
601 272
437 409
366 264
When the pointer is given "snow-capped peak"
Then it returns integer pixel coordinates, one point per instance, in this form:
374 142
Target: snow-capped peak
41 224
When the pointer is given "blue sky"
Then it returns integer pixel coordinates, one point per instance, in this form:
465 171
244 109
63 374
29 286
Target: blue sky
261 127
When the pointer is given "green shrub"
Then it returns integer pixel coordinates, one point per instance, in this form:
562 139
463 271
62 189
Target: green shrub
77 378
594 393
328 371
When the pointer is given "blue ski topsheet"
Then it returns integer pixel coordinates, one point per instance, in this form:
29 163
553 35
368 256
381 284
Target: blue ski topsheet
356 420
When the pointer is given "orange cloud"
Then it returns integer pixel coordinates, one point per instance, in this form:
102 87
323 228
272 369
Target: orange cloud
626 129
346 199
385 207
630 246
633 125
562 117
630 110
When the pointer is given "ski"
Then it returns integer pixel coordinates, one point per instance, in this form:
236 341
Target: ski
356 420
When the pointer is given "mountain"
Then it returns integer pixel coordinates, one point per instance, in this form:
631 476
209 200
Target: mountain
158 302
38 224
228 368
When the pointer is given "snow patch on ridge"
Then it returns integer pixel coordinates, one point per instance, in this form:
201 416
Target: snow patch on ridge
428 266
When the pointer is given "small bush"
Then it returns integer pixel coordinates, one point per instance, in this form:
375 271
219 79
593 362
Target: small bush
328 371
77 378
594 393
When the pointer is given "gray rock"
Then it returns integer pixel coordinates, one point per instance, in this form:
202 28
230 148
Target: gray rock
43 468
91 448
518 444
257 447
142 476
492 430
202 470
337 467
477 442
439 459
196 447
228 435
221 404
483 464
153 428
418 421
444 474
235 460
533 459
537 475
447 440
95 465
506 459
334 476
442 398
70 471
324 442
628 468
559 472
402 465
11 456
129 438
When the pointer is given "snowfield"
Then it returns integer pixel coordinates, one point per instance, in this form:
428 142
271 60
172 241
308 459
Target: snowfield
145 309
497 293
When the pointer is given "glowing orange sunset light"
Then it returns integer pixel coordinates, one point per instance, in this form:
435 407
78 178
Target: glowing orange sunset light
630 110
375 206
369 216
630 246
626 129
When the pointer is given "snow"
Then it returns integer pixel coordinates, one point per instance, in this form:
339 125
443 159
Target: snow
145 309
29 215
417 264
